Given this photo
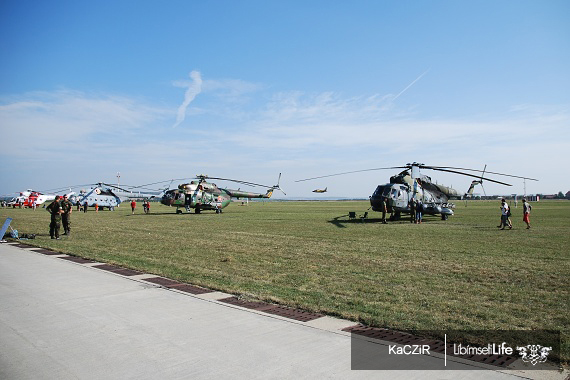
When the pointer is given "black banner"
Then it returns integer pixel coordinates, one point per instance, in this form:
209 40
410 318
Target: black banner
382 349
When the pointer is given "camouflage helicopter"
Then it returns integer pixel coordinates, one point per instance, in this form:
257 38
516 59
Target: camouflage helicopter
410 185
202 195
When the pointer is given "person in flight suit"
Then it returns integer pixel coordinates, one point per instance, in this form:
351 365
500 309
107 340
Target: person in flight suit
55 210
384 209
66 207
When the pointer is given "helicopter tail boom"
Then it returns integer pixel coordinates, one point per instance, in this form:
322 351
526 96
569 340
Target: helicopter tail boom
246 194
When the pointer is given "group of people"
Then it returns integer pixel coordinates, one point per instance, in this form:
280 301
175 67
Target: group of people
416 212
146 206
85 206
60 210
506 214
416 208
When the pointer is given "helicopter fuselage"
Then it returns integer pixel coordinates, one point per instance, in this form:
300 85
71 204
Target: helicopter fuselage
398 199
97 196
402 189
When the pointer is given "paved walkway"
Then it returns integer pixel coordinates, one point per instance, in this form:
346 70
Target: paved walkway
65 320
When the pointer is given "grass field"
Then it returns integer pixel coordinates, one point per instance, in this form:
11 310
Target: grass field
458 274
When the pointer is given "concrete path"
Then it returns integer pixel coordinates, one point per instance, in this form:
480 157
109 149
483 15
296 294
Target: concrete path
65 320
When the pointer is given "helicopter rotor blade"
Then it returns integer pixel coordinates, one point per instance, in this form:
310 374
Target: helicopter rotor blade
168 180
475 170
115 187
239 181
355 171
466 174
203 178
60 189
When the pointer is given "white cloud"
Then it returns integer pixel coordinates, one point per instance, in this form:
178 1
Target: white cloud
325 133
194 88
301 135
71 132
231 90
36 120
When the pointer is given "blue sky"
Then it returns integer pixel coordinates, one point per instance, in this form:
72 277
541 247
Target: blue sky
249 89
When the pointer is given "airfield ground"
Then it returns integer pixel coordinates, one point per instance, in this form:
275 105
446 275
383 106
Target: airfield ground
459 274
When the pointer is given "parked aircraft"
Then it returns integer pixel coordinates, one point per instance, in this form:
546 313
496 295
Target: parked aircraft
28 197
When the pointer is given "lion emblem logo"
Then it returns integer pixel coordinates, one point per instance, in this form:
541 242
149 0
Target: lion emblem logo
534 353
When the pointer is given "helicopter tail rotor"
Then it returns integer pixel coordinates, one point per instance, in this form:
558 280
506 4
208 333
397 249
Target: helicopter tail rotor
481 180
276 187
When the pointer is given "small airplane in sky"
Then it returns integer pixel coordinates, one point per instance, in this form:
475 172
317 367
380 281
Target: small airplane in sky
320 190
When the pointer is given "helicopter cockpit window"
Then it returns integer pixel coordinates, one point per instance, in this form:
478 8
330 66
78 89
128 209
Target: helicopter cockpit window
394 193
386 192
379 191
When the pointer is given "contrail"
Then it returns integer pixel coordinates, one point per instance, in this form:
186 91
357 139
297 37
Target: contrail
194 89
410 85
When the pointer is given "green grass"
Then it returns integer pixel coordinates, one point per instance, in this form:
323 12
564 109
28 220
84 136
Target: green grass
458 274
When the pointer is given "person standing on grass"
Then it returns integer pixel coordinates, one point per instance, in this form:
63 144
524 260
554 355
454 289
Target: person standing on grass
384 209
66 207
526 213
133 206
419 211
412 205
505 215
55 210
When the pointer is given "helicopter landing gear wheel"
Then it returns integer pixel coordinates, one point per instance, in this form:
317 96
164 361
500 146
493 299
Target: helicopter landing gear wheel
178 211
444 216
197 210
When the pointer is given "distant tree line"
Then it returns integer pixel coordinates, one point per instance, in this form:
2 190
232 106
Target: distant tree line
560 195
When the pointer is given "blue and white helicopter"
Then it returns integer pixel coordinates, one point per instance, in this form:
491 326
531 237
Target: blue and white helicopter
105 195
